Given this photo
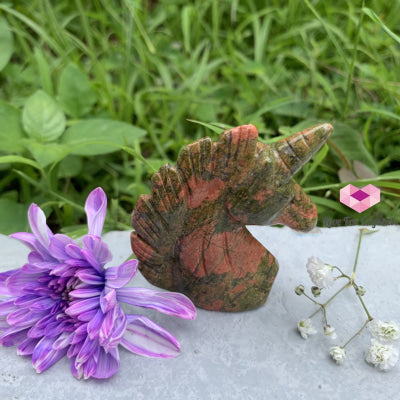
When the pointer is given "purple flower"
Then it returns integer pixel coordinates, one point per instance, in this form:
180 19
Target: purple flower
64 302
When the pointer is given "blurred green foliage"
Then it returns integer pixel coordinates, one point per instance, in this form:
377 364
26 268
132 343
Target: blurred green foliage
99 93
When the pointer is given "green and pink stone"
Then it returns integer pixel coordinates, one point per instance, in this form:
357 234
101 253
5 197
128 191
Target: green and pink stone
190 232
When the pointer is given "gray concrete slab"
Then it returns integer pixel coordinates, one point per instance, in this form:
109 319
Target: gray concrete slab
249 355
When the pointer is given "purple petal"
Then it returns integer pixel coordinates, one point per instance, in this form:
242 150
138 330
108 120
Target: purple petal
170 303
3 280
26 320
37 288
107 326
76 372
107 364
85 370
91 259
82 329
62 341
87 316
94 325
37 222
108 299
81 306
116 277
146 338
3 323
42 304
28 239
89 277
13 336
15 283
118 332
87 350
18 316
86 292
26 300
78 341
35 257
58 244
39 328
96 252
44 356
55 328
27 347
31 268
7 306
73 350
96 208
89 367
45 266
73 250
74 262
64 270
112 329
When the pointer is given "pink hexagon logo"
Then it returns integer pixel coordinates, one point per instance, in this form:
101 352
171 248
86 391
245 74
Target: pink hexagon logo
360 199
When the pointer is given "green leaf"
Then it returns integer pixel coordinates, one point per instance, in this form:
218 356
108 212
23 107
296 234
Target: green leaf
18 159
10 128
12 217
75 92
44 71
185 20
42 118
47 153
376 110
317 159
333 205
391 175
70 166
6 43
100 136
156 163
376 19
213 126
351 143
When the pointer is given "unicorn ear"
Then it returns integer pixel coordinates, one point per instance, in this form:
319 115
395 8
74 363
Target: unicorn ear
298 149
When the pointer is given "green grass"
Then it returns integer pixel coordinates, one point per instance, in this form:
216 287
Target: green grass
154 65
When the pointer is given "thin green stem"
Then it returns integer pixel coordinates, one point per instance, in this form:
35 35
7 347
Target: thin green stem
333 296
357 254
314 301
343 274
365 308
357 333
323 306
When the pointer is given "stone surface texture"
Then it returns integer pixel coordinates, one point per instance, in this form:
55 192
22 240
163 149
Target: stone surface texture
190 234
256 354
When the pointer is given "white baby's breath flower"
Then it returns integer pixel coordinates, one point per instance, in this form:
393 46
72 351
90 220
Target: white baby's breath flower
384 330
383 356
306 328
338 354
330 332
320 273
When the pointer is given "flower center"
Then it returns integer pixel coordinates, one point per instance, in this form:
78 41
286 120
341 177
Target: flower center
61 288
